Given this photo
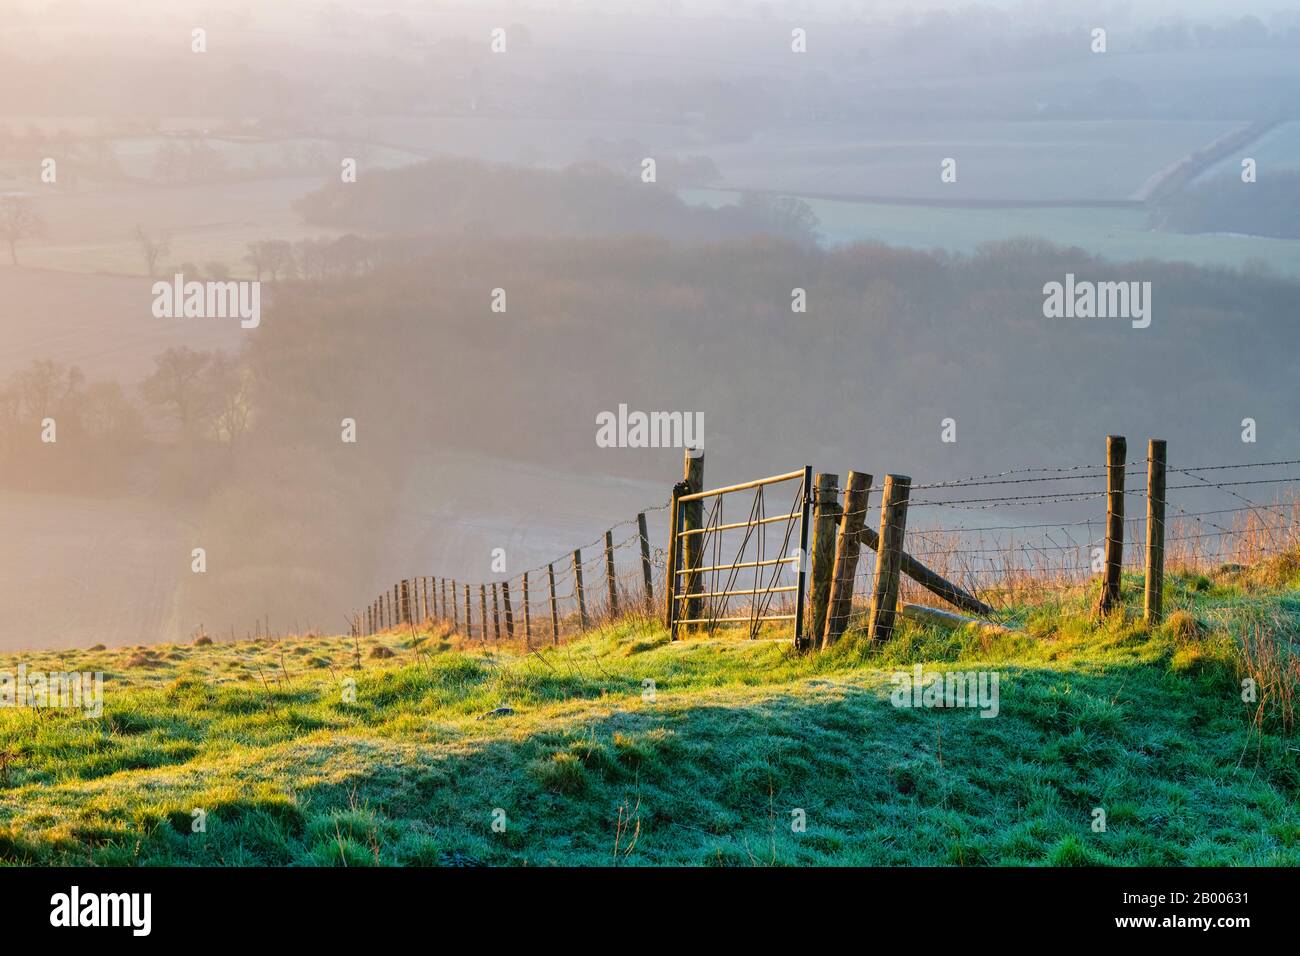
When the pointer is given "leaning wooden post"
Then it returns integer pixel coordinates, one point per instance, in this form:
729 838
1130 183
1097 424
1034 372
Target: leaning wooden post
510 614
1116 448
645 563
1156 458
674 547
528 616
889 557
555 607
611 581
847 547
693 520
826 515
577 589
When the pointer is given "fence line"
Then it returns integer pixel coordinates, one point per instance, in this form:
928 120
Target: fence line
871 560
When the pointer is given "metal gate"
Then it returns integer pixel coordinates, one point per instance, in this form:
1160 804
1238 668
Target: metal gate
703 585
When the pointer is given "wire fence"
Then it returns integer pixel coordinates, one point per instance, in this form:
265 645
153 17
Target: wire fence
995 547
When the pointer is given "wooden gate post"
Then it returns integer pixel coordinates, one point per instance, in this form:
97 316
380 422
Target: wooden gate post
510 614
674 549
555 608
645 563
1156 458
577 589
847 547
826 516
528 616
610 580
889 557
693 519
1116 448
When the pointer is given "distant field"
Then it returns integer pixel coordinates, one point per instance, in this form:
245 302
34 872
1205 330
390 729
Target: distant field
543 142
103 324
137 155
104 570
1277 150
1120 234
92 228
1048 160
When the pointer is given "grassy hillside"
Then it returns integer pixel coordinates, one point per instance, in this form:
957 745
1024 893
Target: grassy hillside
1147 724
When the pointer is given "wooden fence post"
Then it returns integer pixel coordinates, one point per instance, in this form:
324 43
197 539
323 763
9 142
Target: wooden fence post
693 519
889 557
510 614
825 518
645 563
528 616
455 606
674 548
610 580
469 624
555 608
1116 448
1156 458
847 547
483 617
442 582
496 613
577 589
431 613
396 608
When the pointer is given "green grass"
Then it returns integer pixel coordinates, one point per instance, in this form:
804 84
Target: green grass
1148 725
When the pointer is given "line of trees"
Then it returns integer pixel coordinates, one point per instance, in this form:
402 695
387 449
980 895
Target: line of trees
59 431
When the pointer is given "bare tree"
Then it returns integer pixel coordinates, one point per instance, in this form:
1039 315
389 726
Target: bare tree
47 388
230 383
152 249
18 221
179 385
271 255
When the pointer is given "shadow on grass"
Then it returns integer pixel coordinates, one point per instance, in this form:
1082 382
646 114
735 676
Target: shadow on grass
831 773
